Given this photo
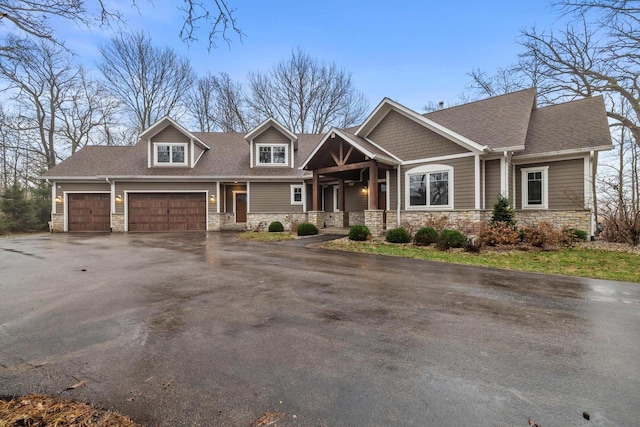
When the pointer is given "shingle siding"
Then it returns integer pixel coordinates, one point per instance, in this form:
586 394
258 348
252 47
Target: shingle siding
492 182
463 181
566 183
409 140
169 134
273 197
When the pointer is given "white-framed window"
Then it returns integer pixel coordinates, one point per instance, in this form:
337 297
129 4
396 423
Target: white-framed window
273 154
297 195
429 187
535 187
170 154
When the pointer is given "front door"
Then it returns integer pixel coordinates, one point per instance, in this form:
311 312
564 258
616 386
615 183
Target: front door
241 207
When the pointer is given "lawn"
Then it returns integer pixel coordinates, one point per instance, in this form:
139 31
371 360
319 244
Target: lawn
581 262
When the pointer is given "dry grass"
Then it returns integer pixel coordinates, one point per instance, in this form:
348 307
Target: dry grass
36 410
265 236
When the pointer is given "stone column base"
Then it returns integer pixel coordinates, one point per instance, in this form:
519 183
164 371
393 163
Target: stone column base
374 220
117 223
339 219
215 221
316 218
57 223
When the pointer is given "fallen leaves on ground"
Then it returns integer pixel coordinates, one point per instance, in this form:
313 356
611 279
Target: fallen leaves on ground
268 419
38 410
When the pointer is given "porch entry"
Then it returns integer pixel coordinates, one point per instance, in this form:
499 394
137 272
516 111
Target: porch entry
240 206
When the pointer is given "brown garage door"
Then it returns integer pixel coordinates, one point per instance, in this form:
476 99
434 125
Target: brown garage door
89 212
167 211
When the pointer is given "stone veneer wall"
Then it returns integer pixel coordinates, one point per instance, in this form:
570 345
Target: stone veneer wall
117 223
214 222
356 218
262 220
417 219
57 223
316 218
580 219
374 220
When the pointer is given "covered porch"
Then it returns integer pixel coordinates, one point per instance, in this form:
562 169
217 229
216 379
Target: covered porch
349 183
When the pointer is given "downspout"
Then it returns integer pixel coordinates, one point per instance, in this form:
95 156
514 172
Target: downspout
113 201
53 197
398 197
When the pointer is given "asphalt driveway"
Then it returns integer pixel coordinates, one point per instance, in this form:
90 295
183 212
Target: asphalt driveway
195 329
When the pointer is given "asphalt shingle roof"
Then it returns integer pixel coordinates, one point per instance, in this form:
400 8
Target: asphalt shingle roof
505 121
497 122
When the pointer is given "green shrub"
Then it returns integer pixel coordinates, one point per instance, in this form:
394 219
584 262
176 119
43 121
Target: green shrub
276 227
425 236
307 229
576 234
359 233
398 235
451 239
503 212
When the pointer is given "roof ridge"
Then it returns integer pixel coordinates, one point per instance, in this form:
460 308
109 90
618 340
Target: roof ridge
588 98
480 100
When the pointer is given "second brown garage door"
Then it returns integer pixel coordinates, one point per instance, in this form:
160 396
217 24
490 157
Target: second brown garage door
167 211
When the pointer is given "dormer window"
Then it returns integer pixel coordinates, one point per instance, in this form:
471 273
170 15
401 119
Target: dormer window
272 154
171 154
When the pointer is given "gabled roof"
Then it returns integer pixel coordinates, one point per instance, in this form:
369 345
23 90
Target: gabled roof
270 122
388 105
500 122
161 124
574 126
228 158
360 144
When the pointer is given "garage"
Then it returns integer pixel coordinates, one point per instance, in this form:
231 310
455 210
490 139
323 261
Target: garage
167 212
89 212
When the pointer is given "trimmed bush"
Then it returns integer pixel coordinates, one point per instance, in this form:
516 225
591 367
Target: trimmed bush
451 239
398 235
359 233
307 229
425 236
276 227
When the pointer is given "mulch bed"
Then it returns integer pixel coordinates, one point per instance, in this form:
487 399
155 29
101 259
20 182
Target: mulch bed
37 410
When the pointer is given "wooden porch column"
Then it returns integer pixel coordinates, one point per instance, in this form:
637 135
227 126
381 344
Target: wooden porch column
373 185
315 196
341 195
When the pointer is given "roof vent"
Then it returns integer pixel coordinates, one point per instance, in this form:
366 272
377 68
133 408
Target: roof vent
441 104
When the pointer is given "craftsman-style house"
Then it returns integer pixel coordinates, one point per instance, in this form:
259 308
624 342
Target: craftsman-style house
397 167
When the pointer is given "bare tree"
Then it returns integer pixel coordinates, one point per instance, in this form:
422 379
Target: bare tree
41 77
306 95
217 103
88 110
150 82
593 55
33 17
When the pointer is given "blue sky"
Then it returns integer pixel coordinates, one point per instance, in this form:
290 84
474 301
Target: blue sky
410 51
